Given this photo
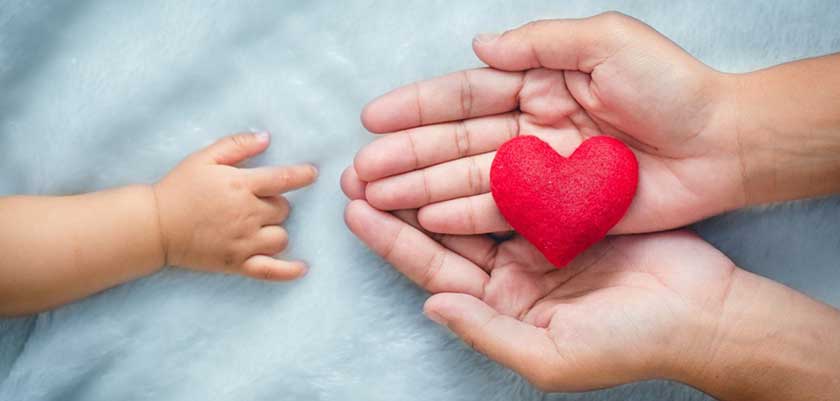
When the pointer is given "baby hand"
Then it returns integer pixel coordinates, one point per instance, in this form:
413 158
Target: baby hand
217 217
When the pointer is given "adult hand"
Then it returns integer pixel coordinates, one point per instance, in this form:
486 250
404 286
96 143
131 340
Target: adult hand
623 311
631 308
563 81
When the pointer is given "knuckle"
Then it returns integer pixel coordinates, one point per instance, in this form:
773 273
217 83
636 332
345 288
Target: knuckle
536 25
239 140
462 138
470 342
433 269
427 186
254 221
541 373
612 15
474 180
513 124
283 204
466 94
228 259
282 208
236 183
239 226
476 345
539 376
273 241
283 176
266 273
283 214
470 215
614 21
258 270
537 28
281 238
420 98
409 135
491 256
541 380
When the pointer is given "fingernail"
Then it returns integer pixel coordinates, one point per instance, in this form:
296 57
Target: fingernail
486 37
262 136
435 318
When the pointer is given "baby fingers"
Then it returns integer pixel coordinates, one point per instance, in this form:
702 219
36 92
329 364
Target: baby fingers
263 267
270 240
275 209
270 181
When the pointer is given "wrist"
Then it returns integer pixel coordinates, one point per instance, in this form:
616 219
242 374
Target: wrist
724 126
786 122
769 342
159 243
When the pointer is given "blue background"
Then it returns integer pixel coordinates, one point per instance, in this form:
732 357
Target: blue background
97 93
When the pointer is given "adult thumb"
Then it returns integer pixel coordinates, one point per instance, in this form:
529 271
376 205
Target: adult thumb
511 342
562 44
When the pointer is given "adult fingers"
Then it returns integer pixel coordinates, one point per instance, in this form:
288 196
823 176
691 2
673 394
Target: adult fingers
458 178
420 258
429 145
353 187
457 96
522 347
478 249
464 216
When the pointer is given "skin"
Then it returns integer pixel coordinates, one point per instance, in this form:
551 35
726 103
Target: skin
206 214
692 128
634 307
637 307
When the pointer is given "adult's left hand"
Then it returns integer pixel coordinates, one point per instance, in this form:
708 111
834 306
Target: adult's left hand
631 308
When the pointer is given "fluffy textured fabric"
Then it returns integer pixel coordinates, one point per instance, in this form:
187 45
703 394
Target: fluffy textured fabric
563 205
99 93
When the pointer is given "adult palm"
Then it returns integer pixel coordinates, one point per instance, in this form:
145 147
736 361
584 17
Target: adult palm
631 308
563 81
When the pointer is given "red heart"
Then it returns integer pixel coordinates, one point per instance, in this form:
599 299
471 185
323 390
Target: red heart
563 205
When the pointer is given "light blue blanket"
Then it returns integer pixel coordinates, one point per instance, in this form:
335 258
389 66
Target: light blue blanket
98 93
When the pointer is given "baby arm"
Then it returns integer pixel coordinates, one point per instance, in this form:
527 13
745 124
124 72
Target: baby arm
206 214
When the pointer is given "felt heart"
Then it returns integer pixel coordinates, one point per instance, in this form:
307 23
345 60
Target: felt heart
563 205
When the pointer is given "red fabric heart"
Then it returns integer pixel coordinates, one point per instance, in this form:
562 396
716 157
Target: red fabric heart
563 205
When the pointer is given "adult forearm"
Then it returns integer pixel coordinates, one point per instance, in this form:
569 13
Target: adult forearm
772 343
788 125
58 249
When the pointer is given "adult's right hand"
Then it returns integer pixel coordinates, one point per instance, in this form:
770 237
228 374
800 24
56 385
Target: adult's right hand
563 81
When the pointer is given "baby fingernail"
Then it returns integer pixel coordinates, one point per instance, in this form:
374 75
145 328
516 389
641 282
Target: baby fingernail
486 37
262 136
